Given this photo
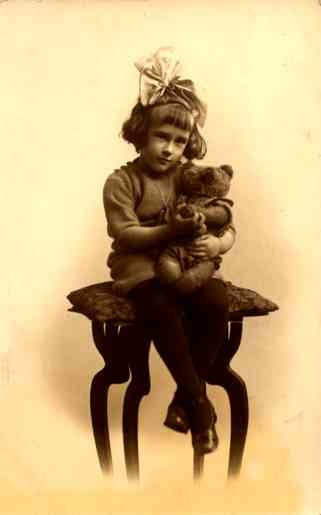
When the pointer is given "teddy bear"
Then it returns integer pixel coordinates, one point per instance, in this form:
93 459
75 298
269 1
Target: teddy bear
202 189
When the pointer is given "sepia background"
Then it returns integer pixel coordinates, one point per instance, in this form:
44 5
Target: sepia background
67 83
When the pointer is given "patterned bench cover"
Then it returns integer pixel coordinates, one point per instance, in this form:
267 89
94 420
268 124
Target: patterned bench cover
99 302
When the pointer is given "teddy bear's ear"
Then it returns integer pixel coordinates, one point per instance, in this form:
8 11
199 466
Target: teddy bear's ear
228 169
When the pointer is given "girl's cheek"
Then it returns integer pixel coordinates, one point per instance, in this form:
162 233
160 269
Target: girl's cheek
160 145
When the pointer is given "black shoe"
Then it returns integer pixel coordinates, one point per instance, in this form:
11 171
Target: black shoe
177 418
205 441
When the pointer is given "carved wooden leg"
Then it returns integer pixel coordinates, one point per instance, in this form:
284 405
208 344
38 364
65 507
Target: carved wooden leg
222 375
198 465
138 352
105 338
237 394
98 407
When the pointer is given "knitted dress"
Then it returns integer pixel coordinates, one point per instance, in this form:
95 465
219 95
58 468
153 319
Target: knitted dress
133 197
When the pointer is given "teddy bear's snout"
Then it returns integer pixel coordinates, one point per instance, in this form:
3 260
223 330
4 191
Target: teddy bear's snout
208 176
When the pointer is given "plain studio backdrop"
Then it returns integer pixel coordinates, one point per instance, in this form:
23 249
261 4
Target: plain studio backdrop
67 83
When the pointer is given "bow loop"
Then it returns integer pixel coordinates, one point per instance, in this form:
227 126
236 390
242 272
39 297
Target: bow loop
160 74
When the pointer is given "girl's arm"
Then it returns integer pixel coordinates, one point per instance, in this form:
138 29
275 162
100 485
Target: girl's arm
227 240
140 238
208 246
123 224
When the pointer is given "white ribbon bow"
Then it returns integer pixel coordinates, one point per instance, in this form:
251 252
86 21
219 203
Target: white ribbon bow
159 73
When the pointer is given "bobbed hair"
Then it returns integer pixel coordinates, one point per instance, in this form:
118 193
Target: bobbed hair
135 129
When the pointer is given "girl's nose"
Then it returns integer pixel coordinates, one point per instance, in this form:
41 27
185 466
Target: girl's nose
168 148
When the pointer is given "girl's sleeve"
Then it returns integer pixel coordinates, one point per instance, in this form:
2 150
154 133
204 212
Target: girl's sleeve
119 203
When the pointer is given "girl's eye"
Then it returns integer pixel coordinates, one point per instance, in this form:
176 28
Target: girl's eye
161 135
181 141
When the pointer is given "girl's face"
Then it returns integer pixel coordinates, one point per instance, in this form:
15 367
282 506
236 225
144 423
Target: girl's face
165 145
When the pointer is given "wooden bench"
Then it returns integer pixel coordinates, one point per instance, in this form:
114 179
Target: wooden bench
124 343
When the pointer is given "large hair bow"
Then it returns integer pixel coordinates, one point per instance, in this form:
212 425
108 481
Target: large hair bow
159 75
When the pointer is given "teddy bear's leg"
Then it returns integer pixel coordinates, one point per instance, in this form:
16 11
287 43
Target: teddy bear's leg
194 277
168 266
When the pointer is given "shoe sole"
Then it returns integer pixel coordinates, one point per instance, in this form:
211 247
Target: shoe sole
174 427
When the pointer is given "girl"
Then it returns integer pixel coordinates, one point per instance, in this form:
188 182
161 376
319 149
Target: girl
138 199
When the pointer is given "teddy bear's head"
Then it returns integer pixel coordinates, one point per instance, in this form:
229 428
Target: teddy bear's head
206 181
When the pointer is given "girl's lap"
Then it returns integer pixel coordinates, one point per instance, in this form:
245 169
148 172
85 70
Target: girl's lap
153 299
213 293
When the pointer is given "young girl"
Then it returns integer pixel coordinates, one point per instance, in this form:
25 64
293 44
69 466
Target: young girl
138 199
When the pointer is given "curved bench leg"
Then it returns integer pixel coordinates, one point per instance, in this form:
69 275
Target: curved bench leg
130 430
198 465
116 371
99 418
138 353
239 404
222 375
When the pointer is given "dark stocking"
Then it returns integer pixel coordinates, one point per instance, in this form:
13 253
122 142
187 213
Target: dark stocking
160 306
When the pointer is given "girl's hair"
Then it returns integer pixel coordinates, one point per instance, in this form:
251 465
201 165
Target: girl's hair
135 129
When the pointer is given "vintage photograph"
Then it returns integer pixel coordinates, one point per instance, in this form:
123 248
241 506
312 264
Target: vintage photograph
160 338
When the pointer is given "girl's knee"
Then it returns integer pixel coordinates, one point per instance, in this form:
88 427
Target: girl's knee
213 297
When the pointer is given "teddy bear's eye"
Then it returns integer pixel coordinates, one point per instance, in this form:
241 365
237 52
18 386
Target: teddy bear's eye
208 176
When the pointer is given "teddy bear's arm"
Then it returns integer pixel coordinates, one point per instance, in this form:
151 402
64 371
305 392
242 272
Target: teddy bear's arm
217 215
227 239
169 264
194 277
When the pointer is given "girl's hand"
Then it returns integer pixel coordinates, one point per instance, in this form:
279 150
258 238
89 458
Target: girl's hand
180 226
206 246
